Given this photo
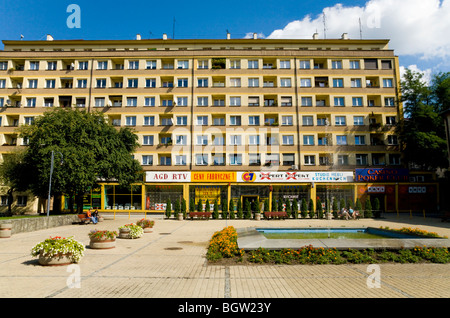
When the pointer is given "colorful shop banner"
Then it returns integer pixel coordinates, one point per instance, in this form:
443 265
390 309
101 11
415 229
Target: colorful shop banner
167 176
381 175
295 176
210 193
213 176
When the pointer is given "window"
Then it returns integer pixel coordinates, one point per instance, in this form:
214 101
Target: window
83 65
235 82
306 101
253 120
253 82
132 82
386 64
180 160
181 120
218 141
202 101
390 120
29 120
31 102
288 159
254 159
80 102
218 102
253 140
272 159
338 82
286 64
22 200
147 160
285 82
3 66
305 82
235 101
149 120
288 140
286 101
133 65
354 65
148 140
34 66
150 82
218 159
336 64
323 121
355 82
235 159
305 64
218 121
201 159
51 66
2 83
102 65
202 140
166 121
308 140
307 120
165 160
358 120
82 83
253 64
392 140
183 64
101 83
253 101
181 140
202 64
99 102
340 121
149 101
341 140
167 102
357 101
361 159
151 65
182 101
387 82
371 64
202 82
309 160
339 101
286 120
235 120
389 101
32 83
342 160
202 120
322 141
360 140
235 64
130 120
235 140
394 159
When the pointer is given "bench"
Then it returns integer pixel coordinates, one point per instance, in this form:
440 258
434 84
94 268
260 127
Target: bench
446 216
272 215
198 215
84 219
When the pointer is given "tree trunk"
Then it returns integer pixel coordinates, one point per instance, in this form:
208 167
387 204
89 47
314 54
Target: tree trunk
79 202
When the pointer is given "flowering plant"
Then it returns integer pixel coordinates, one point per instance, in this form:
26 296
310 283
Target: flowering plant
145 223
107 235
57 245
135 230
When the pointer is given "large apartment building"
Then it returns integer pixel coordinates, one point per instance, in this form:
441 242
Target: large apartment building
227 119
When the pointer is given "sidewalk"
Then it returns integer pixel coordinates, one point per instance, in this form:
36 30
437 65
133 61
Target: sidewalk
170 263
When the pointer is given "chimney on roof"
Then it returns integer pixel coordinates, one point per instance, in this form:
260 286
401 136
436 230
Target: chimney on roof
49 37
316 36
228 35
255 36
344 36
138 36
164 36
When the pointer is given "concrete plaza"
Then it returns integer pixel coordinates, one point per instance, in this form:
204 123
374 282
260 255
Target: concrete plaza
170 263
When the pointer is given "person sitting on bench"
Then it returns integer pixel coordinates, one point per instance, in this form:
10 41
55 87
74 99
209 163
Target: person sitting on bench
91 217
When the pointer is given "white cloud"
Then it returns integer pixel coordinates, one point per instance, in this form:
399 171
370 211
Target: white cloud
414 27
426 74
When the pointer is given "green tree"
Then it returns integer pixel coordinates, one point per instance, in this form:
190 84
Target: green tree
176 208
421 131
368 209
358 207
319 208
247 209
168 208
280 205
215 213
231 208
199 206
240 211
224 209
183 207
91 149
191 205
304 208
207 206
311 209
287 203
295 208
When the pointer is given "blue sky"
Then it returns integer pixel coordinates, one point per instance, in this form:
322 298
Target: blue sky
414 26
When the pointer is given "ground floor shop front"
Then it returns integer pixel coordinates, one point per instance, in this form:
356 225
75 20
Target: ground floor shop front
394 193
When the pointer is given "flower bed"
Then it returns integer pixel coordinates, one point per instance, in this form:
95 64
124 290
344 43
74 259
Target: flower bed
145 223
57 247
415 231
102 235
223 245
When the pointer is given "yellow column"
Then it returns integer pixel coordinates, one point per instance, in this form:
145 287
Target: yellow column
270 199
186 194
313 194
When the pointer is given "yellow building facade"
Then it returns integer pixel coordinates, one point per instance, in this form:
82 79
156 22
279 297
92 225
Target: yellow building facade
229 119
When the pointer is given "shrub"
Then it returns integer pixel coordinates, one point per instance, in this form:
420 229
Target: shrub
168 208
191 205
215 213
176 208
247 209
224 209
319 208
136 231
368 209
57 245
304 208
288 208
183 207
295 209
240 212
311 209
231 208
224 244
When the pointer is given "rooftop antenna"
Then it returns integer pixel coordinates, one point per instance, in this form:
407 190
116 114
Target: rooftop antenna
21 37
360 29
173 32
324 26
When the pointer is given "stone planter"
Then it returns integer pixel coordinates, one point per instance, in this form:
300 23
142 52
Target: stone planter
257 216
329 216
147 229
180 217
59 260
124 233
102 243
5 230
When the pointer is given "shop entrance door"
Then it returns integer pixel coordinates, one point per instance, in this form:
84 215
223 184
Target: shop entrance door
250 198
382 199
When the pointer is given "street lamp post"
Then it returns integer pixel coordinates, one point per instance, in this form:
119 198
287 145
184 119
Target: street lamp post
50 182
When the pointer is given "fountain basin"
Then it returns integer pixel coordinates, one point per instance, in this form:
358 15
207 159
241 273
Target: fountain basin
254 238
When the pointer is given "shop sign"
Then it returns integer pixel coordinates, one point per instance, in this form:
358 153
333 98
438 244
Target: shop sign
295 176
213 176
381 175
167 176
376 189
417 189
210 193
